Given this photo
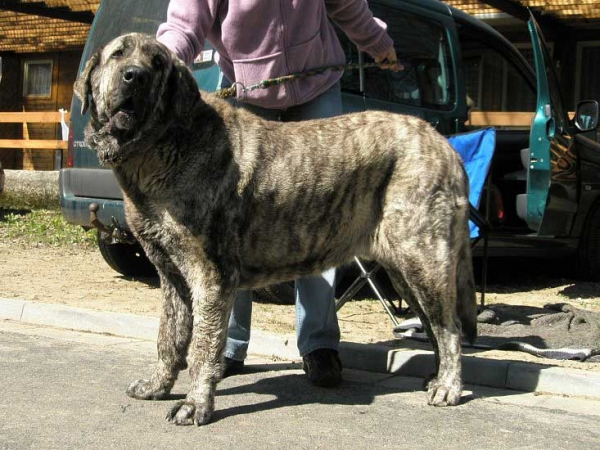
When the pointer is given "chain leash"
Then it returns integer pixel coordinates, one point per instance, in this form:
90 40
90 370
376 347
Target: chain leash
264 84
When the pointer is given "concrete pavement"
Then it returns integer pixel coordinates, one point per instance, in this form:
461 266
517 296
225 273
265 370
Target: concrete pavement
477 370
65 389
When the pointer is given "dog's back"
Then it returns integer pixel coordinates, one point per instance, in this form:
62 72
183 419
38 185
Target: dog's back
317 193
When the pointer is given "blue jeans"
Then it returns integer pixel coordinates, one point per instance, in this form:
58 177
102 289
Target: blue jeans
316 319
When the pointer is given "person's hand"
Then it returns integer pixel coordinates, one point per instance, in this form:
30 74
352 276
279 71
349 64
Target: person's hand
390 60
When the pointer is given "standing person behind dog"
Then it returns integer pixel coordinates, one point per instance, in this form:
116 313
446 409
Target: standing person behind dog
261 39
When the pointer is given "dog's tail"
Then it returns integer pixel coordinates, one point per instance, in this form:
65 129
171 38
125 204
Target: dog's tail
466 302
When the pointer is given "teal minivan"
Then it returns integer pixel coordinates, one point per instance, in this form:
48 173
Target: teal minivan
544 183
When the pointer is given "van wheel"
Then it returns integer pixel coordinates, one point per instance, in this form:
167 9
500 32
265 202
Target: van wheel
589 246
127 259
279 294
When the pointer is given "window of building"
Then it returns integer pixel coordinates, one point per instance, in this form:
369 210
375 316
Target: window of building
37 81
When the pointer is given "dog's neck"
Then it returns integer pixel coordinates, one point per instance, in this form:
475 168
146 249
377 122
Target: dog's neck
147 164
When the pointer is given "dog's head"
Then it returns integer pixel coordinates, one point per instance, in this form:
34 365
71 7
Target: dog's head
133 86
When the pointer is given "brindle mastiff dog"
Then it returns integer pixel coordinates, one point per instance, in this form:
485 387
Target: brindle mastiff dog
221 199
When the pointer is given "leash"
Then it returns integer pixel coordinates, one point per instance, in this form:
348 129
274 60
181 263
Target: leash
264 84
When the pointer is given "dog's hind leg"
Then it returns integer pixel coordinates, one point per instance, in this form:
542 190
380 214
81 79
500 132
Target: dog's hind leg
174 331
424 268
406 294
466 301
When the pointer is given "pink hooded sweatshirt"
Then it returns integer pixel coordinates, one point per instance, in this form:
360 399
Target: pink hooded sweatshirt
261 39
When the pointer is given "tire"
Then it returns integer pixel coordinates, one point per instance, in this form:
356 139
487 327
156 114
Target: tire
589 246
279 294
127 259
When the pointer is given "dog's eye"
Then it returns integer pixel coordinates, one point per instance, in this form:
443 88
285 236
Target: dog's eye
117 54
158 62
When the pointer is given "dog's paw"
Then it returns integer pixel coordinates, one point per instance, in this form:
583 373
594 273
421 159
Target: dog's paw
441 393
187 412
145 390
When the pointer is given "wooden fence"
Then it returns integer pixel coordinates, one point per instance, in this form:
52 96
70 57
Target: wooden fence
37 153
503 119
498 118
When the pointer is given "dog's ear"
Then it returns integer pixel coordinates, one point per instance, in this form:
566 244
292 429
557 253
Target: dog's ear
184 90
83 86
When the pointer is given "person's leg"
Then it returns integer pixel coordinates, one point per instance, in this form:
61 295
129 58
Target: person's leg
316 319
328 104
238 331
317 330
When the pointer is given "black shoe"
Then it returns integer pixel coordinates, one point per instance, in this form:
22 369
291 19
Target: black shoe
323 367
232 367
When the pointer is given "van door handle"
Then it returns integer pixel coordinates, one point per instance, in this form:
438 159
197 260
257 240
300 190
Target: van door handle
551 128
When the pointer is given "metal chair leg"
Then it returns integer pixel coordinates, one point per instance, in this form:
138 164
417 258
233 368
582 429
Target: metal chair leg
365 277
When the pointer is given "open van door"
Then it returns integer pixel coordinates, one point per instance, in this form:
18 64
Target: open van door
551 173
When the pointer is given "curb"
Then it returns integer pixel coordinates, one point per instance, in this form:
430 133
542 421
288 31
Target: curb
500 374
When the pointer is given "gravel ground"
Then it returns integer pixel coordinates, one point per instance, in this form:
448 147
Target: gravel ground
518 293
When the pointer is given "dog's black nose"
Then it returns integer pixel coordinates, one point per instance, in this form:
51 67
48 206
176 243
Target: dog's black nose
134 75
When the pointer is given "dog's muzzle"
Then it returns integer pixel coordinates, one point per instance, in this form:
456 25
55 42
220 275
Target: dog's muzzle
129 101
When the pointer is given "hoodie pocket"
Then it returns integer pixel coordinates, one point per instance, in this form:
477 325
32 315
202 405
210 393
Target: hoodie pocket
254 70
298 58
307 55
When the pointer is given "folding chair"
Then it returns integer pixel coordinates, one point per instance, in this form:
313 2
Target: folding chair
476 149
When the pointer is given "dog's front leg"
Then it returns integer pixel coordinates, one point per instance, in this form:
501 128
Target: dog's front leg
213 296
174 333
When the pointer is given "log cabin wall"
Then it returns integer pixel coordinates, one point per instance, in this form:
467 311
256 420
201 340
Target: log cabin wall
14 97
9 101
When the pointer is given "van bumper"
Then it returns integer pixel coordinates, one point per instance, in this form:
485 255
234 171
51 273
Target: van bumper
81 187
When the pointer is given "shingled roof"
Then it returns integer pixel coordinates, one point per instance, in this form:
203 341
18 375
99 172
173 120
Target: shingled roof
579 14
41 26
49 25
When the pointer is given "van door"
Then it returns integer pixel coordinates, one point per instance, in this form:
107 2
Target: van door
552 176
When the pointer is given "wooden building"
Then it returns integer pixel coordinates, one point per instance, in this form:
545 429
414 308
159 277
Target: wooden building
41 43
40 47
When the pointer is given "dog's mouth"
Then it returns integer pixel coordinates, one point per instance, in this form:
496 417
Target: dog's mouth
125 115
127 107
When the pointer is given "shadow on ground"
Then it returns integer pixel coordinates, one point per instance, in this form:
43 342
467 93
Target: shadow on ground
6 212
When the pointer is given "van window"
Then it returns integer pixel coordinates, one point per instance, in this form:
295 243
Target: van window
422 46
588 57
493 81
493 84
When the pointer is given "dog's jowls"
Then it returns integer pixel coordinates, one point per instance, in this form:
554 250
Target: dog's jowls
221 199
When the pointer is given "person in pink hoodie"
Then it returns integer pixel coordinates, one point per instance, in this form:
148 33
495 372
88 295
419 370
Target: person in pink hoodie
262 39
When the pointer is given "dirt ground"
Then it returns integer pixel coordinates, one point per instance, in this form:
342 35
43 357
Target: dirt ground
517 291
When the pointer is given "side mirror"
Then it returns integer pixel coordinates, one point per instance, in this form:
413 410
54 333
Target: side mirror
586 115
